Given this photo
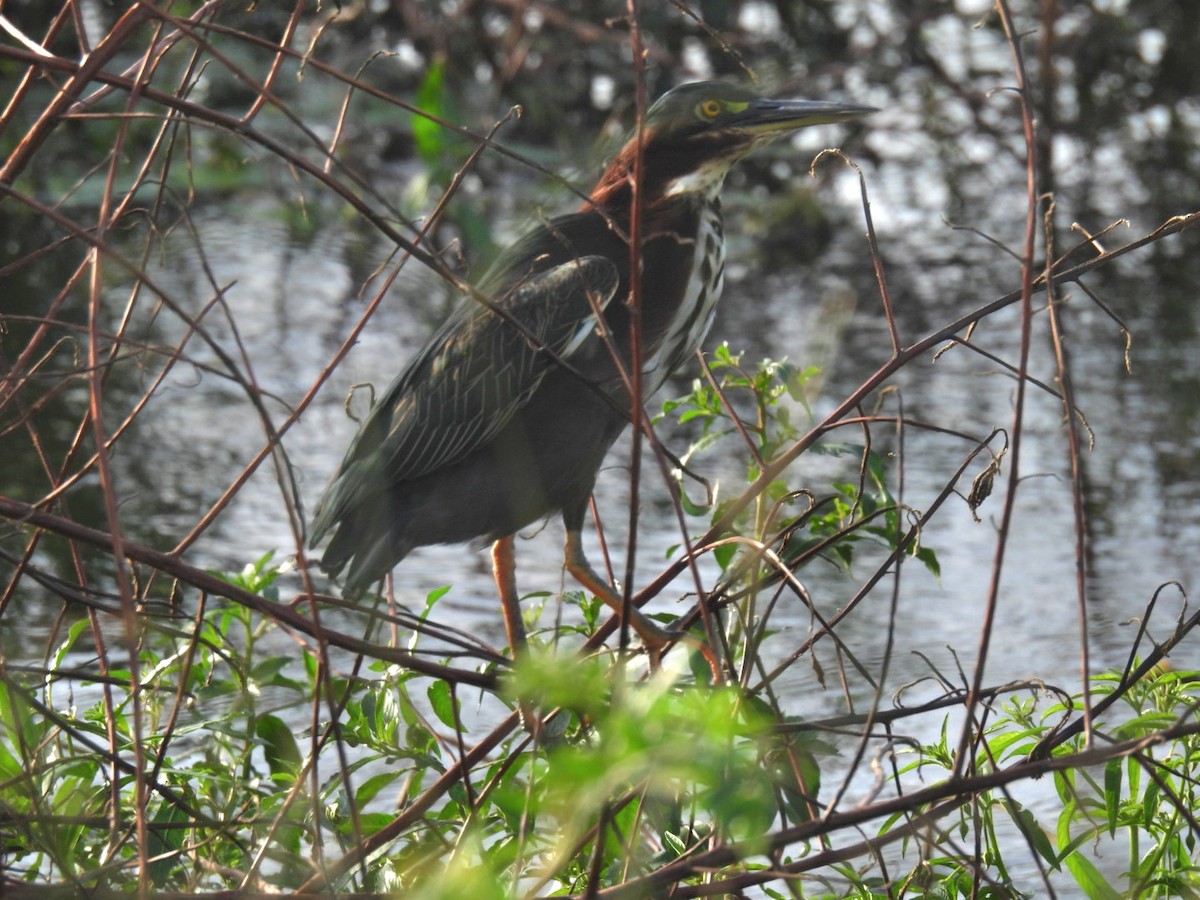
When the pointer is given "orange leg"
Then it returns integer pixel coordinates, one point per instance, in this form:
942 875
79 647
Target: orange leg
504 570
656 638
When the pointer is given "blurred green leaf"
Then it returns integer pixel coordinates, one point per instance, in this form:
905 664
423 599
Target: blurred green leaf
282 752
431 98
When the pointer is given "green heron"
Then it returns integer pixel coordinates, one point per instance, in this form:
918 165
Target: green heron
507 413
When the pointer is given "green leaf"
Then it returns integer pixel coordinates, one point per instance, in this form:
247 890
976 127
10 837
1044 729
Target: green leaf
929 559
1000 743
724 554
690 507
1089 879
368 823
443 703
1037 837
1112 793
675 844
279 745
165 842
269 670
549 680
1150 803
1147 723
73 633
434 596
11 768
368 789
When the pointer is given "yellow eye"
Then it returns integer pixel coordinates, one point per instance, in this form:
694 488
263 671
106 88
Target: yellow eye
709 109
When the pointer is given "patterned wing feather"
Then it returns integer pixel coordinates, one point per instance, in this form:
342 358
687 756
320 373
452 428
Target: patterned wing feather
469 381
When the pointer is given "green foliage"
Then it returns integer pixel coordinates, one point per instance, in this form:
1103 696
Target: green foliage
1145 801
218 752
1140 803
651 770
799 523
669 762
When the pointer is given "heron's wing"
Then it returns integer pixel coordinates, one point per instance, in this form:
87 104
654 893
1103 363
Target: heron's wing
469 381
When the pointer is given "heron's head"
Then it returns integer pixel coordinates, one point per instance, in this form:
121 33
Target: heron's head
694 133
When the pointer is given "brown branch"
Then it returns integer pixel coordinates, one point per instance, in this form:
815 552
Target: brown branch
285 615
1016 431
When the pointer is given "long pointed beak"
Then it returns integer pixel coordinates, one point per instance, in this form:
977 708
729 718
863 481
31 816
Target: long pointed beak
768 116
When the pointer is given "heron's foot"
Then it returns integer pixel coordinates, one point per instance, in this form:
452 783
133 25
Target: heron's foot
658 640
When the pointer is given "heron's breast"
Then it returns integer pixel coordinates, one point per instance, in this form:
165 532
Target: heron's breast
694 313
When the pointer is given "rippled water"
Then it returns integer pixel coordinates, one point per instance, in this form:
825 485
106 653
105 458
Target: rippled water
294 304
294 294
